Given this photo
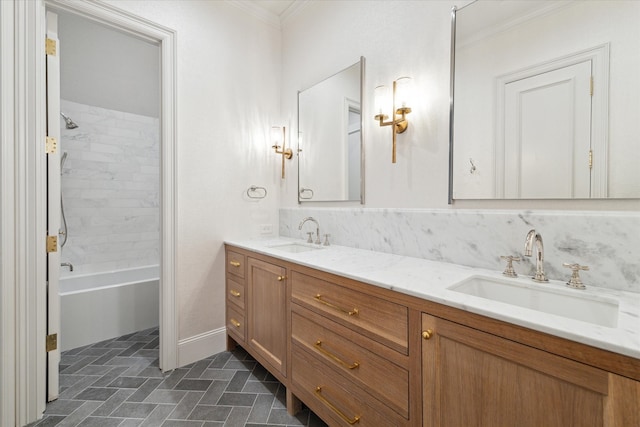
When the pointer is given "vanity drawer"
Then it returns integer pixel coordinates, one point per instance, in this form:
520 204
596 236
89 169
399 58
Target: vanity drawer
235 292
236 323
355 358
236 263
334 397
382 320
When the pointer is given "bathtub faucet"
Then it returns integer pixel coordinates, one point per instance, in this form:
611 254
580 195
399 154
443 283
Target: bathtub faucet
67 264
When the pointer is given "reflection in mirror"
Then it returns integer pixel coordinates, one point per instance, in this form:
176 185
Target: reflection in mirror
330 145
546 100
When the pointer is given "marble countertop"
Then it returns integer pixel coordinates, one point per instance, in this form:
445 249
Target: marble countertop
430 280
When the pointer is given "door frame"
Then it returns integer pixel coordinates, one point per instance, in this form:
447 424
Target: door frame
23 179
166 39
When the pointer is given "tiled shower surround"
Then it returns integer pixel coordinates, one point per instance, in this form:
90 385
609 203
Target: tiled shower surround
111 189
607 242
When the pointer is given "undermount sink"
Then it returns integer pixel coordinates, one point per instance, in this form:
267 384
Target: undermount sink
295 247
561 302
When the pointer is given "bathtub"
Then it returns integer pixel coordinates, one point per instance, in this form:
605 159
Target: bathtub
96 307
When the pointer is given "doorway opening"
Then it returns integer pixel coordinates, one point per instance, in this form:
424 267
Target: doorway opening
110 182
117 170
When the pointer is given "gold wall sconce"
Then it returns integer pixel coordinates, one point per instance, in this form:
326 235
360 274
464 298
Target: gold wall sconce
278 135
399 97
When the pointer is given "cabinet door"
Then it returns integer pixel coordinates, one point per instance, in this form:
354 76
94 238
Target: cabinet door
266 314
471 378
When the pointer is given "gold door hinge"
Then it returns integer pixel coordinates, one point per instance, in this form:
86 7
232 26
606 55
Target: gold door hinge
52 342
590 159
591 86
52 244
50 47
51 146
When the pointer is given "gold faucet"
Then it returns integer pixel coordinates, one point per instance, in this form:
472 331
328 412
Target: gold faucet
532 237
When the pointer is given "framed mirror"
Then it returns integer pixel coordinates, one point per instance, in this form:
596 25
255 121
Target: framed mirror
546 100
330 142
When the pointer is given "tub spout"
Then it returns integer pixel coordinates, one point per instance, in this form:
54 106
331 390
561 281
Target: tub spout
67 264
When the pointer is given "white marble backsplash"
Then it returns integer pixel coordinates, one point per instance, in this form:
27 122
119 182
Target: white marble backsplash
608 242
111 189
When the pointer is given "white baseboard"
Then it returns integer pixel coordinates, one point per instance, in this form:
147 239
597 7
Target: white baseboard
200 346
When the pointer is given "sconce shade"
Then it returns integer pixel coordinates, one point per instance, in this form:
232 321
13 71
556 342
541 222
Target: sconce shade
403 92
276 135
382 101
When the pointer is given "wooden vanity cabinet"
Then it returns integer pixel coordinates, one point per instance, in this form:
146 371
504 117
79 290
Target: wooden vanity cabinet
350 352
235 295
475 378
358 354
267 332
257 308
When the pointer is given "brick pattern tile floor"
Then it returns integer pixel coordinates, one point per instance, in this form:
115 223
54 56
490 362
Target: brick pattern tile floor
118 383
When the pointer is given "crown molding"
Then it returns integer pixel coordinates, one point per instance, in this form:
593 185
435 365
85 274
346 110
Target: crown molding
250 7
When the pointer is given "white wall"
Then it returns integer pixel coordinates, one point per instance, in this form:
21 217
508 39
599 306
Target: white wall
397 38
228 76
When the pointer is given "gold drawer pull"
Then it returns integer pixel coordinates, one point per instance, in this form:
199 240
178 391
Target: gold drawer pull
234 263
427 334
281 278
350 421
352 312
234 322
234 293
318 345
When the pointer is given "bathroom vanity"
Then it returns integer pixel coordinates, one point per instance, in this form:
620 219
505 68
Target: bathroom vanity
372 339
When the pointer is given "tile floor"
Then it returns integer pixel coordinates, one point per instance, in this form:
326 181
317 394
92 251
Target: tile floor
118 383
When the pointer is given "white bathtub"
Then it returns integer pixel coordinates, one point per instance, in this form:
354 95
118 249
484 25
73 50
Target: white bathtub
96 307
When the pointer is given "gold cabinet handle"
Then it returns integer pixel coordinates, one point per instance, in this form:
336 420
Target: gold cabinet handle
352 312
234 293
281 278
347 365
427 334
234 322
234 263
350 421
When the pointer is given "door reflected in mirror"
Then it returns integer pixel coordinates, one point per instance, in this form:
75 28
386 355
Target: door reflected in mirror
330 144
546 100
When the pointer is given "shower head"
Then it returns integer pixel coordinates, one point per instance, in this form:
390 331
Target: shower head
69 124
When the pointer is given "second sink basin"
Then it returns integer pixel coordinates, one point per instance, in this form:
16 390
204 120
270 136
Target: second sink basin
295 247
561 302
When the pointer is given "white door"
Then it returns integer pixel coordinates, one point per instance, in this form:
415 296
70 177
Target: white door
549 113
53 203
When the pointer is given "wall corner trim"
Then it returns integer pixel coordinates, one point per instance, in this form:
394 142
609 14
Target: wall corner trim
201 346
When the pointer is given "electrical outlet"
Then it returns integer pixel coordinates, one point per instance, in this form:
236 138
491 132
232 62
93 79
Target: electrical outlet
266 229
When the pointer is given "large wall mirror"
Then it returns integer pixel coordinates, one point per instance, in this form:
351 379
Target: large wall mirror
546 100
330 143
